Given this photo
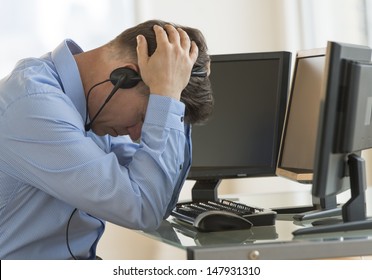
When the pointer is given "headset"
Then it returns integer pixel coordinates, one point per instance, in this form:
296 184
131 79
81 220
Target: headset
128 78
125 78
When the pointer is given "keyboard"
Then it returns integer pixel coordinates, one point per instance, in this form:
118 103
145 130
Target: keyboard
222 215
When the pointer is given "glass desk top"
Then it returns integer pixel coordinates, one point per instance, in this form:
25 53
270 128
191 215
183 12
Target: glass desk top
267 242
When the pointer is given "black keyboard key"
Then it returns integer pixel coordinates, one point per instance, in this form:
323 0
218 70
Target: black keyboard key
247 209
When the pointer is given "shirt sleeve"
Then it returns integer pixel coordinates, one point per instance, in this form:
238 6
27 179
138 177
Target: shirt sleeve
119 181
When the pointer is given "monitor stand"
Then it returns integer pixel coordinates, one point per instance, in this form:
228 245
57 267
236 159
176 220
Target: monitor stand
354 210
321 208
205 190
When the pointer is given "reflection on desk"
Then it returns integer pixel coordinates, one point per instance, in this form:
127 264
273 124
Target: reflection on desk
340 236
169 229
270 242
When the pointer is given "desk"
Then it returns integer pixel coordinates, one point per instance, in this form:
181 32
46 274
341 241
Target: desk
269 242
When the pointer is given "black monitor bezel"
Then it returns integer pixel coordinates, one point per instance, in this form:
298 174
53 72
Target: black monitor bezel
213 173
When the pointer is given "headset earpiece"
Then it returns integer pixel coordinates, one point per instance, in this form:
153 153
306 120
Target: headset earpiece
129 78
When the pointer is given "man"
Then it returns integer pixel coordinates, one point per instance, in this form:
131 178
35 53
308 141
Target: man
102 135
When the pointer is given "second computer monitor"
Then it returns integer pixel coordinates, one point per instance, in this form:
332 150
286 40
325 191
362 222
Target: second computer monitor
296 157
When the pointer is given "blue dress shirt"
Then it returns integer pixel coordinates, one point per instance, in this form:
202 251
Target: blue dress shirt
49 165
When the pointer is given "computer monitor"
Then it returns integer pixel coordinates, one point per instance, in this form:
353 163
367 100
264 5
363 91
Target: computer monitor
297 149
242 137
331 176
344 130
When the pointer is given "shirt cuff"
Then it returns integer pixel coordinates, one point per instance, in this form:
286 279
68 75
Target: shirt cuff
166 112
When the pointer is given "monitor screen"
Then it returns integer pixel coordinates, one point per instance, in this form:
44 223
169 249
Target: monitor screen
242 136
296 156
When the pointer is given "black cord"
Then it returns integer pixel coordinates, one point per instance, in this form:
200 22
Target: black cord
67 228
67 233
87 101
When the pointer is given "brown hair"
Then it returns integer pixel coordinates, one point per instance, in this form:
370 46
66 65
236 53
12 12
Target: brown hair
197 96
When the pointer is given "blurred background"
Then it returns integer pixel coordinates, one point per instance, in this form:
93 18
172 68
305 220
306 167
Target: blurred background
34 27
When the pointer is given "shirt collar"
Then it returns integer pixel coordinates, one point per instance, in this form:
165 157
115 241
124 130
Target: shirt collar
68 71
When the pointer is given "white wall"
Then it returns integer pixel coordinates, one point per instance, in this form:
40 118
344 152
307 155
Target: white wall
229 26
34 27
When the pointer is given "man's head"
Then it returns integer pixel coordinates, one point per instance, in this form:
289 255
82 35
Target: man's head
197 96
164 55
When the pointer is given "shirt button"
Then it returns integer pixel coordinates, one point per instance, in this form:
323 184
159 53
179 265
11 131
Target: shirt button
181 118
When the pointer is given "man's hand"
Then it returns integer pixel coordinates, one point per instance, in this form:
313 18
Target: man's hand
167 71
